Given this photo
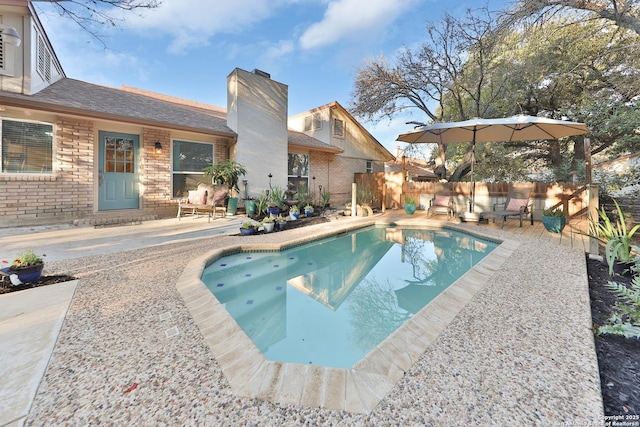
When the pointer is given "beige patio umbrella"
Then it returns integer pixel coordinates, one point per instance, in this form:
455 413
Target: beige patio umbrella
516 128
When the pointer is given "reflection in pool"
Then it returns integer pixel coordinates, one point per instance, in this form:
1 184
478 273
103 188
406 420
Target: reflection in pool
331 301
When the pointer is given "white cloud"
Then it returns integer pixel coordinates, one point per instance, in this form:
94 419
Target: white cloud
192 23
353 19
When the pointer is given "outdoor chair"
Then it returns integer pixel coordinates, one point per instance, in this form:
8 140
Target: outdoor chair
442 202
518 204
207 199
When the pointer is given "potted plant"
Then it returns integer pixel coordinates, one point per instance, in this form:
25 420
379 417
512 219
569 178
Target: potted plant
308 210
347 209
227 172
282 222
26 268
554 220
409 205
248 227
619 252
268 223
294 212
274 202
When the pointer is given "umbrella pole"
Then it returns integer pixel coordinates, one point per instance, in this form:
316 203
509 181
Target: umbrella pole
472 189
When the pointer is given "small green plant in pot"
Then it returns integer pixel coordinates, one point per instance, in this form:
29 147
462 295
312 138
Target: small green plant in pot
248 227
554 220
409 205
268 223
26 268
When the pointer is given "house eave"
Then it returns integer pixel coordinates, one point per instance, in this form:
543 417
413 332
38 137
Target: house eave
57 109
330 150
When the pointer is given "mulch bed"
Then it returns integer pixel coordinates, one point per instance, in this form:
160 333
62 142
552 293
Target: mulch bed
300 222
6 286
618 357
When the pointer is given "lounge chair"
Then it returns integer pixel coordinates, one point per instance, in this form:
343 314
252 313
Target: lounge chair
518 204
207 199
442 202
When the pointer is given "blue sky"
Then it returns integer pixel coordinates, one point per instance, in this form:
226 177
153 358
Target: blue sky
186 48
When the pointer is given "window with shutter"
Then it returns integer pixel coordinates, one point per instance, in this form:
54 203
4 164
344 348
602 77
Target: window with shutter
338 128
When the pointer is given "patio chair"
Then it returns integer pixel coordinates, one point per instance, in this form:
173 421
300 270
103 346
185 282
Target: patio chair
442 202
518 204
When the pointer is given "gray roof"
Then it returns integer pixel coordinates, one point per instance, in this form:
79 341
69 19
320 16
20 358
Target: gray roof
91 100
303 140
87 99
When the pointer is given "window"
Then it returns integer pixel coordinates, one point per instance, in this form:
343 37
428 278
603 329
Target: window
369 166
44 60
338 128
27 147
312 122
298 172
189 159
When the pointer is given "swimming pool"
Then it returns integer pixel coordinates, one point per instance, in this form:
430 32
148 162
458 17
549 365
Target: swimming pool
330 302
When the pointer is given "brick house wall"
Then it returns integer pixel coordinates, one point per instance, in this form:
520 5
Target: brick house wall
62 196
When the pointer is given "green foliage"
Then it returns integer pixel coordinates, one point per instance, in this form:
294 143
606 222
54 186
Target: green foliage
410 200
364 195
249 224
625 320
325 197
557 212
616 236
27 258
269 219
294 209
262 203
276 196
226 172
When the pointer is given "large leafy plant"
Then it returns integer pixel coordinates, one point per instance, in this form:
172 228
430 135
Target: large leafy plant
625 320
226 172
616 236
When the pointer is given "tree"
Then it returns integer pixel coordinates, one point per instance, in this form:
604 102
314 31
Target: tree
624 13
455 62
91 13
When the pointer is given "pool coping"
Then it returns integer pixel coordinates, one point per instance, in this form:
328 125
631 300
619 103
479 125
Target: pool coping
358 389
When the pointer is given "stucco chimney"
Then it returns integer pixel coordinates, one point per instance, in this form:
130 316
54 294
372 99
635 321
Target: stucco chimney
257 110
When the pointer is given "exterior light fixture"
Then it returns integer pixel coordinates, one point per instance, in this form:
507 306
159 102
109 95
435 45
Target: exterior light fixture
11 36
158 147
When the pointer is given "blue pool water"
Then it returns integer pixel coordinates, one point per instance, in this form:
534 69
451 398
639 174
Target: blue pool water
331 301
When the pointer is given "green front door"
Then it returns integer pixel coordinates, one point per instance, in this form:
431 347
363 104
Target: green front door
118 173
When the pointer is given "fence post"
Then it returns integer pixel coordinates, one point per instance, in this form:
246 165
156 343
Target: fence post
354 189
384 197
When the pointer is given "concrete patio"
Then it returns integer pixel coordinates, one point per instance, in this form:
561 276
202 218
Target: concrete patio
519 352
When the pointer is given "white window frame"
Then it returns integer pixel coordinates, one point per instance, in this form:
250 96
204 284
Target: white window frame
339 131
49 171
193 173
369 166
313 122
43 59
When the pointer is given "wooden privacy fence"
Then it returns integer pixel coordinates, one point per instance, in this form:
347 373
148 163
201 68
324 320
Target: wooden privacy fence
574 198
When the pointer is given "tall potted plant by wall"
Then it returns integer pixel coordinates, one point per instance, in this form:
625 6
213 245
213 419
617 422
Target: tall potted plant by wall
227 172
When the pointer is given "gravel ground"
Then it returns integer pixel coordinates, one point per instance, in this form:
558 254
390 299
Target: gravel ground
520 353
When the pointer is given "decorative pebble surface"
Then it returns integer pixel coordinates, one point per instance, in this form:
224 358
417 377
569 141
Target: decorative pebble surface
519 353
